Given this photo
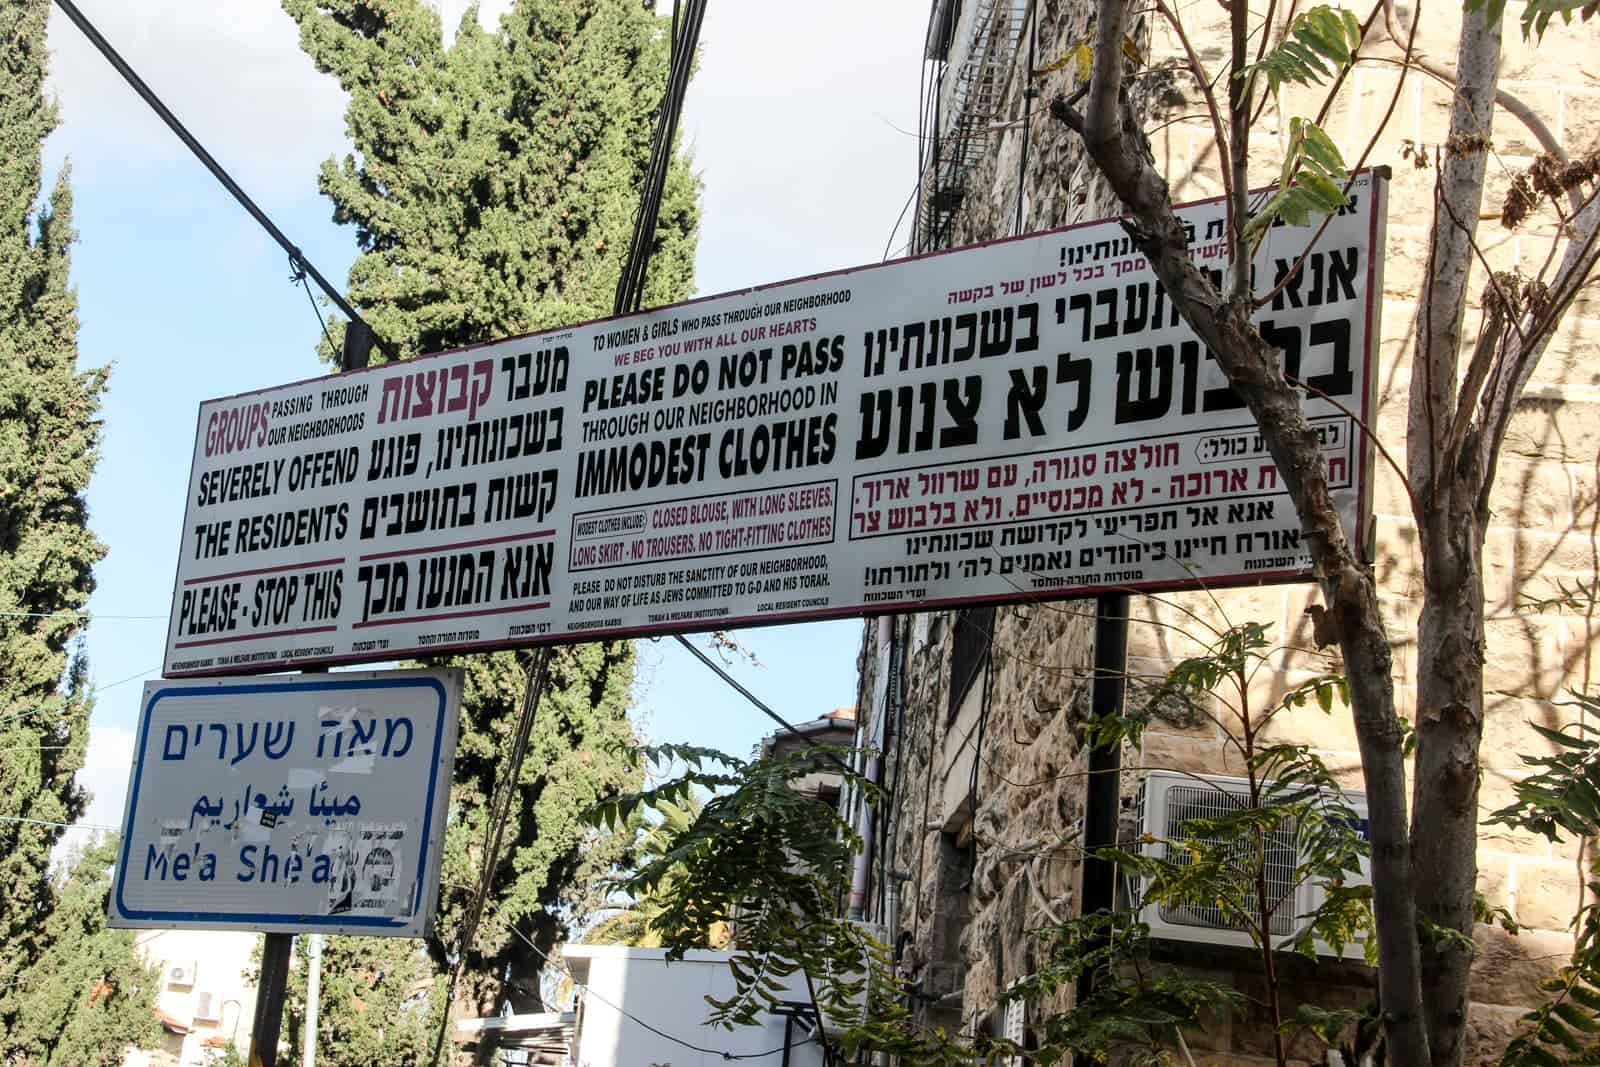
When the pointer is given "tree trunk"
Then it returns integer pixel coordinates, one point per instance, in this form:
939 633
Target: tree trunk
1447 485
1450 654
1115 142
1450 658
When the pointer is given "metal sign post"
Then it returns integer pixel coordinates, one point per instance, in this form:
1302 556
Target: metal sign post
276 949
1103 793
270 988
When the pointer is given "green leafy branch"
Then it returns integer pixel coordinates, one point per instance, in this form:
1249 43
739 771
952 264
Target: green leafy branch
1310 182
1562 798
1134 1009
1538 14
772 859
1316 45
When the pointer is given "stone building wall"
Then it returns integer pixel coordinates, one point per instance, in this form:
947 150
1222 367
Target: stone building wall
965 887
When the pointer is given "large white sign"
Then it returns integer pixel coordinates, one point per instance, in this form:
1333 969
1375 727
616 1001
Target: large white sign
1022 419
313 803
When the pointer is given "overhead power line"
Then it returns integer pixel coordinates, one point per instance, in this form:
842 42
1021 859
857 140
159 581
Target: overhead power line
62 825
148 95
96 691
687 16
585 991
752 698
83 616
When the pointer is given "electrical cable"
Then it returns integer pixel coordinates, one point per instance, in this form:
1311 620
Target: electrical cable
148 95
85 615
1028 93
62 825
297 274
685 36
500 810
752 698
96 691
985 700
625 1013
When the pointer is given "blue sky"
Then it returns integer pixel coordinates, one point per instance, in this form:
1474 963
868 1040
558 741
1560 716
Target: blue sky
797 122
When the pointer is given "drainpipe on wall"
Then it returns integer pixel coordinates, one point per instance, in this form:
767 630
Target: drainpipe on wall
861 874
1103 794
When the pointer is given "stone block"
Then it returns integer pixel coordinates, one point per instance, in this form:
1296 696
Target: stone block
1506 969
1490 1028
1507 735
1399 616
1573 355
1543 494
1194 717
1579 637
1308 723
1523 655
1171 752
1494 793
1495 879
1405 259
1548 894
1398 559
1556 423
1165 628
1580 118
1531 564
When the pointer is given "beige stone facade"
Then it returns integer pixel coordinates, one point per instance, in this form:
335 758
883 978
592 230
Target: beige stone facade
979 849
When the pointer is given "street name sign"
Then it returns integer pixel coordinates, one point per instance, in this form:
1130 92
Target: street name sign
1023 419
311 803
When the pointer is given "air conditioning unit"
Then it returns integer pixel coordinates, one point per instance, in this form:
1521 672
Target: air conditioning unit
207 1007
181 975
1169 800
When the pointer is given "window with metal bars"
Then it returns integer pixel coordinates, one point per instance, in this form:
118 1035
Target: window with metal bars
970 641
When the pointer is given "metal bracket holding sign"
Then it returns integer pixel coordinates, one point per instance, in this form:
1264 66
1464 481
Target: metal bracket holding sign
1024 419
312 803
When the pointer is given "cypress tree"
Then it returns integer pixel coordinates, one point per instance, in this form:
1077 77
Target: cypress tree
493 189
89 996
494 183
49 440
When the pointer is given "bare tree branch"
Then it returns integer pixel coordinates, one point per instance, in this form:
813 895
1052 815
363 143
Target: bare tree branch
1113 140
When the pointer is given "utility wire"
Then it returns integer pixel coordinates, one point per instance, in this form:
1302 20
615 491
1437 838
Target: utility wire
148 95
752 698
625 1013
63 825
538 673
83 615
297 273
685 36
96 691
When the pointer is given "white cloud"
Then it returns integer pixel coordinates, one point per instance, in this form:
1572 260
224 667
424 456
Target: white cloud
106 765
789 114
231 71
105 773
789 121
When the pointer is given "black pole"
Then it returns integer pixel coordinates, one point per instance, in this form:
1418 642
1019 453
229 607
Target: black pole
275 954
357 345
1103 797
270 989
